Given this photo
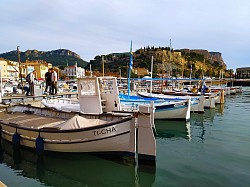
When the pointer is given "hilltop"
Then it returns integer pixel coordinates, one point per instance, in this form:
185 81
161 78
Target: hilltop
59 57
170 62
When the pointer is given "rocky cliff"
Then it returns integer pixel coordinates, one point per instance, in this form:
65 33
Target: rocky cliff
213 57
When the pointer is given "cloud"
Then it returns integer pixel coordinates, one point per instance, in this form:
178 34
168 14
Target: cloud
91 28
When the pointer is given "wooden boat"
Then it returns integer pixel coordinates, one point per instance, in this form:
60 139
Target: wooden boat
49 129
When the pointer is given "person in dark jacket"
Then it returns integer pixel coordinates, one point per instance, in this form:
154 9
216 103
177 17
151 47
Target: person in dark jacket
48 81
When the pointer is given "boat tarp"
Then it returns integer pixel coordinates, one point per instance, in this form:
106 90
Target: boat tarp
77 122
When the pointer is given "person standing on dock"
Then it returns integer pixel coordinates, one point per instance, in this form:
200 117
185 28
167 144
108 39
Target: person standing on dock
30 78
48 81
54 79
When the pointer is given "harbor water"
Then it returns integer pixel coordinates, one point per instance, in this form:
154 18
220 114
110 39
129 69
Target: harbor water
212 149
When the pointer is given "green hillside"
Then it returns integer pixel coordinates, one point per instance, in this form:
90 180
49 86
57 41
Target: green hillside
60 57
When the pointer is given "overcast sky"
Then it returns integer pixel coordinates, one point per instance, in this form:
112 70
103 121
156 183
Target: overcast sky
95 27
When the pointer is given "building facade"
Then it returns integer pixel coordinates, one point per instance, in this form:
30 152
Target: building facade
10 69
72 72
242 73
41 68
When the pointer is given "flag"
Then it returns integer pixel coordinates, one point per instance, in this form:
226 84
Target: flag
131 57
203 90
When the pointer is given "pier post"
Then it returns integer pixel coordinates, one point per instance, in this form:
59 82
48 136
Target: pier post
146 142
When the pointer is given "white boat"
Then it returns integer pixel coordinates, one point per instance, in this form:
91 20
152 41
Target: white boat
209 98
174 110
219 94
93 130
10 88
96 95
197 102
232 90
210 101
239 89
235 89
64 104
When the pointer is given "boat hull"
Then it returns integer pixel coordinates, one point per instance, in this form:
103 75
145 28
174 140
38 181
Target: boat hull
181 112
113 138
165 110
197 102
59 130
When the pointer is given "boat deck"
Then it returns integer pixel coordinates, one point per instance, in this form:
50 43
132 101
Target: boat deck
29 120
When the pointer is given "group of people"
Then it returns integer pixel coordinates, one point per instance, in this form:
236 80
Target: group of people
51 79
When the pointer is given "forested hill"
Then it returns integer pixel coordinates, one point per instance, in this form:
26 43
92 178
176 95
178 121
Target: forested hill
58 57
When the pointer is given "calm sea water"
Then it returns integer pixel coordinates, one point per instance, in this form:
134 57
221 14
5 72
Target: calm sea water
213 149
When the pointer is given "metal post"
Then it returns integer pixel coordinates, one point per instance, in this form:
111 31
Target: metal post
151 74
103 66
20 69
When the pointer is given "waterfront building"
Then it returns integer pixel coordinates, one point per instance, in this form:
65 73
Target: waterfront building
242 73
74 71
12 70
9 69
41 68
3 69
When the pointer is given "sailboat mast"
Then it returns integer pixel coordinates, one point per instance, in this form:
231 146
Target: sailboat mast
130 67
103 66
151 74
90 68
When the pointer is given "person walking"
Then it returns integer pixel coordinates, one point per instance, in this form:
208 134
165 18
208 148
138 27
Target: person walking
48 81
54 80
30 78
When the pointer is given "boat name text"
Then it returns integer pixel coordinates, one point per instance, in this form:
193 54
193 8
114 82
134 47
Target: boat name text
104 131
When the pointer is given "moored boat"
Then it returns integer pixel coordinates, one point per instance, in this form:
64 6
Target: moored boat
197 102
95 128
232 90
173 110
45 129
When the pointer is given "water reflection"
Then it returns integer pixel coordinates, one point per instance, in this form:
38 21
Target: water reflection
200 122
172 129
76 169
196 127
